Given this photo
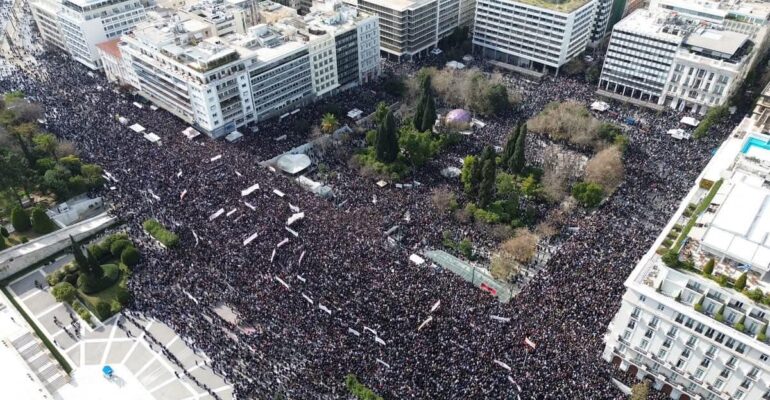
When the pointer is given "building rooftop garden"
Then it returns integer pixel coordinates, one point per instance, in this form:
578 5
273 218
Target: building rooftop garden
565 6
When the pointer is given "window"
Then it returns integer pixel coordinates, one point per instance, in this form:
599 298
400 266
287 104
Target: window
712 351
746 383
699 373
643 345
642 298
661 307
672 332
679 318
738 394
730 343
667 343
719 383
654 322
686 353
763 357
649 333
741 348
662 353
692 341
680 363
731 362
705 363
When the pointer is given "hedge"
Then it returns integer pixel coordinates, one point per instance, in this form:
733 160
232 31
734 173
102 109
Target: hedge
161 234
116 248
358 389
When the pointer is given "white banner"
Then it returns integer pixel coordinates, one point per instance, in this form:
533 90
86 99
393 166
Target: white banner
301 256
249 190
216 214
324 309
250 238
231 212
250 206
422 325
379 340
383 363
294 218
301 278
282 282
366 328
309 300
217 157
292 231
278 193
502 364
353 331
501 319
283 242
435 306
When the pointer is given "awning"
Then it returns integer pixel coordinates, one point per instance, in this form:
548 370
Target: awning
137 128
293 163
234 136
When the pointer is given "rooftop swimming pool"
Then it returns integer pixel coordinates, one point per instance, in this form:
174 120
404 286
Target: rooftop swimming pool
758 148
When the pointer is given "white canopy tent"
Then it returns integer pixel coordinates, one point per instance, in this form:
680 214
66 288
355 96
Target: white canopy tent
355 113
600 106
679 134
153 138
293 163
690 121
190 133
137 128
234 136
455 65
123 120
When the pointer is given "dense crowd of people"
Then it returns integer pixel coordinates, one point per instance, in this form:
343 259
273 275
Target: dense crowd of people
334 299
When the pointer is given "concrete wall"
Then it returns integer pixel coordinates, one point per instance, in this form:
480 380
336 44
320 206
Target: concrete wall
16 258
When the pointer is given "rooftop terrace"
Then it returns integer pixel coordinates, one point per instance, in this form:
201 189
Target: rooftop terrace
564 6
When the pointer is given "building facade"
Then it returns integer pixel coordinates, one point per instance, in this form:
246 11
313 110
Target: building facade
608 13
411 28
686 323
218 84
526 34
689 61
77 26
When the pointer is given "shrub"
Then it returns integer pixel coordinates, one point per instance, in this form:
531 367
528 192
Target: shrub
103 309
24 239
161 234
3 231
116 248
762 334
63 291
721 280
671 259
20 219
708 269
89 285
40 221
129 256
3 244
589 195
98 251
115 307
466 248
107 242
358 389
84 315
755 294
122 295
698 307
740 283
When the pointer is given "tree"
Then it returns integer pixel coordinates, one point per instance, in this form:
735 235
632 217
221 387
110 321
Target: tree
506 186
418 147
740 283
386 146
92 174
329 123
466 174
20 219
419 112
640 391
103 309
429 114
588 194
606 168
15 175
57 180
510 146
708 269
129 256
487 186
496 99
40 221
64 291
517 158
80 259
380 112
46 143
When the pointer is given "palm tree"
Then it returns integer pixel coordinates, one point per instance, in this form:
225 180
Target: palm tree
329 123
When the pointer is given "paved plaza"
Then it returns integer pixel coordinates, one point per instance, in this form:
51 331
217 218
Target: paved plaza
141 370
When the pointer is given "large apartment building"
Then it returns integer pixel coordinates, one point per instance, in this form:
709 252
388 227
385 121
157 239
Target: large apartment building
694 317
538 35
77 26
608 13
411 28
220 83
685 57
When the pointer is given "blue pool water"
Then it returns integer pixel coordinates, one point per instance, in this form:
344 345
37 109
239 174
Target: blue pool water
755 142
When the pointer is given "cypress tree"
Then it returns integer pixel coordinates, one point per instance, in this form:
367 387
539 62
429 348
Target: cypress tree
419 111
476 175
740 283
517 158
80 260
429 114
510 146
387 140
487 187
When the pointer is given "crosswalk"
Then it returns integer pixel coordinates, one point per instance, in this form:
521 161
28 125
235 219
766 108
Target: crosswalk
40 361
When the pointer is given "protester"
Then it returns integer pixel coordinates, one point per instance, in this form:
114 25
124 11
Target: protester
336 299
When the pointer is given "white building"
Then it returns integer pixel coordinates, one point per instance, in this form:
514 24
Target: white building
411 28
662 57
76 26
532 34
693 337
225 16
218 84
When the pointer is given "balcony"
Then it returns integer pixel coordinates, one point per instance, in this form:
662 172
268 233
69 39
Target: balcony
694 286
